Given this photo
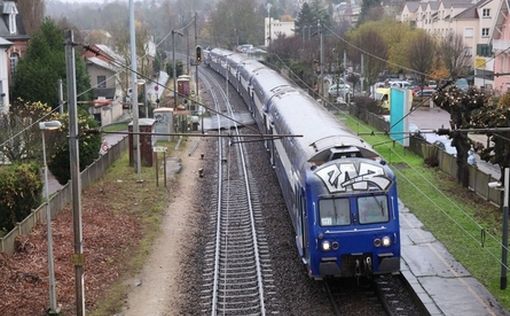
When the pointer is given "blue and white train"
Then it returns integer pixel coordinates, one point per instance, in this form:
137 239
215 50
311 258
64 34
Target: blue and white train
341 196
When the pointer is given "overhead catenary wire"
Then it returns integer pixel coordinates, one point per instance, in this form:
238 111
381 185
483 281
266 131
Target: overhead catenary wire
169 89
432 185
19 133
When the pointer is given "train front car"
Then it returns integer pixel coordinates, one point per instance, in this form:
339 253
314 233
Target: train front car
354 220
341 196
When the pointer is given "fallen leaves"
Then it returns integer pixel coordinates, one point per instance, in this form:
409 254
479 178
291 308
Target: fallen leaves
108 239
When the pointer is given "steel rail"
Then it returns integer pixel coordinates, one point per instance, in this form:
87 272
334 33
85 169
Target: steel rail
240 270
252 219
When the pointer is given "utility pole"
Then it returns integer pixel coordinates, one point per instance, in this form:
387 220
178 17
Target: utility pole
74 153
134 88
268 6
504 249
321 61
197 95
173 65
187 52
60 96
362 79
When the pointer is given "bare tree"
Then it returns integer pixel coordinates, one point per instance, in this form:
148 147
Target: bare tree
421 55
454 55
32 13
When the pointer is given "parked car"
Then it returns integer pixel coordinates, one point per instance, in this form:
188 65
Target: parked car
340 89
425 93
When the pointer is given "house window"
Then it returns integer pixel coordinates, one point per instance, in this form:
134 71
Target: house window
101 82
485 32
468 32
484 50
486 13
13 62
12 23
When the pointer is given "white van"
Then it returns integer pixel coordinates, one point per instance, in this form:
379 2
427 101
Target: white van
399 84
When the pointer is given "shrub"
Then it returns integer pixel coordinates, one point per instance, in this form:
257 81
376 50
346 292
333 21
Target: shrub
89 142
368 104
20 192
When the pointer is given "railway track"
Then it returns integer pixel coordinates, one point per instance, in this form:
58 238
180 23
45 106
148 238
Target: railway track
383 295
237 279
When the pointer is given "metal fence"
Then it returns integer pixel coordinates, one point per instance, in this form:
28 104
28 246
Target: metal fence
478 180
61 198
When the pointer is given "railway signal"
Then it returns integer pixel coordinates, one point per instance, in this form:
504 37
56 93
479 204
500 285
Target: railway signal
198 54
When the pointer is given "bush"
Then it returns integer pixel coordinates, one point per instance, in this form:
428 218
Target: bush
20 192
89 142
368 104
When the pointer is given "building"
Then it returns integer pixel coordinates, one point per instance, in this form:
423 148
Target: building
347 12
13 46
501 50
475 22
104 69
276 29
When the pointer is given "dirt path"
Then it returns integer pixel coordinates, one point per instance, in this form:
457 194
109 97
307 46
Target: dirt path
157 289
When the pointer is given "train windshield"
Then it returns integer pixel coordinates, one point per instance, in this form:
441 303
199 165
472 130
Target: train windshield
334 212
373 209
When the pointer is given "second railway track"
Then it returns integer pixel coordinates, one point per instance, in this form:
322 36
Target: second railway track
238 278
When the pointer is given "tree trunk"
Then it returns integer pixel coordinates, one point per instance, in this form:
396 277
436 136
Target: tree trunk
461 143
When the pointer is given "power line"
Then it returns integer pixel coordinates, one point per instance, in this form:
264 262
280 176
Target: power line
166 88
11 138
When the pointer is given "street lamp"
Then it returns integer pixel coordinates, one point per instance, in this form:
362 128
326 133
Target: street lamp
173 65
49 126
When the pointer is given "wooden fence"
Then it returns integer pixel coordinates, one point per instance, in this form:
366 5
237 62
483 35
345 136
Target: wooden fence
61 198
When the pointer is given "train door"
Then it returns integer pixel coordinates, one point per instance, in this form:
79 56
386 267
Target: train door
271 145
304 222
301 224
266 130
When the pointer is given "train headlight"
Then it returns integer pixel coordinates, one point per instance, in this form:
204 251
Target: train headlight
377 242
326 245
386 241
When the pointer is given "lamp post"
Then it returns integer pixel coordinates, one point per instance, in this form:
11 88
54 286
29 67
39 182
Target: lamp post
173 65
48 126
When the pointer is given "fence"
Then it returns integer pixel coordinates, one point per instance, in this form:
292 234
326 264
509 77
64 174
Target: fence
478 180
61 198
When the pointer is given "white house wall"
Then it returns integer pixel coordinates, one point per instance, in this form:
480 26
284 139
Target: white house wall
4 78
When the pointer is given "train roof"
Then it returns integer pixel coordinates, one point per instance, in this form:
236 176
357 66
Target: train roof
323 135
265 81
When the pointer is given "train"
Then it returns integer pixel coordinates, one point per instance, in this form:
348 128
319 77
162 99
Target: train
340 194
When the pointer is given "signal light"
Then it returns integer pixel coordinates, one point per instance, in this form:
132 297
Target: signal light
199 54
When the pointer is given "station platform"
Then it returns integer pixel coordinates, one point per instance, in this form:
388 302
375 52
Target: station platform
442 283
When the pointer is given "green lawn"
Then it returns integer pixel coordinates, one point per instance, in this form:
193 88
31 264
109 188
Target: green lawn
456 216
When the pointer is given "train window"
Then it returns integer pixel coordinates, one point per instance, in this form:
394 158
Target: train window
373 209
334 212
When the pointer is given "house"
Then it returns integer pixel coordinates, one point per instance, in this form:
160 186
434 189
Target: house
104 69
500 49
13 46
473 21
4 75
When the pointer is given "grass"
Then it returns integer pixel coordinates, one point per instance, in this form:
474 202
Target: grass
145 201
455 216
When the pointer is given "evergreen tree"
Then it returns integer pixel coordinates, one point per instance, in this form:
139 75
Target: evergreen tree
305 18
38 72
